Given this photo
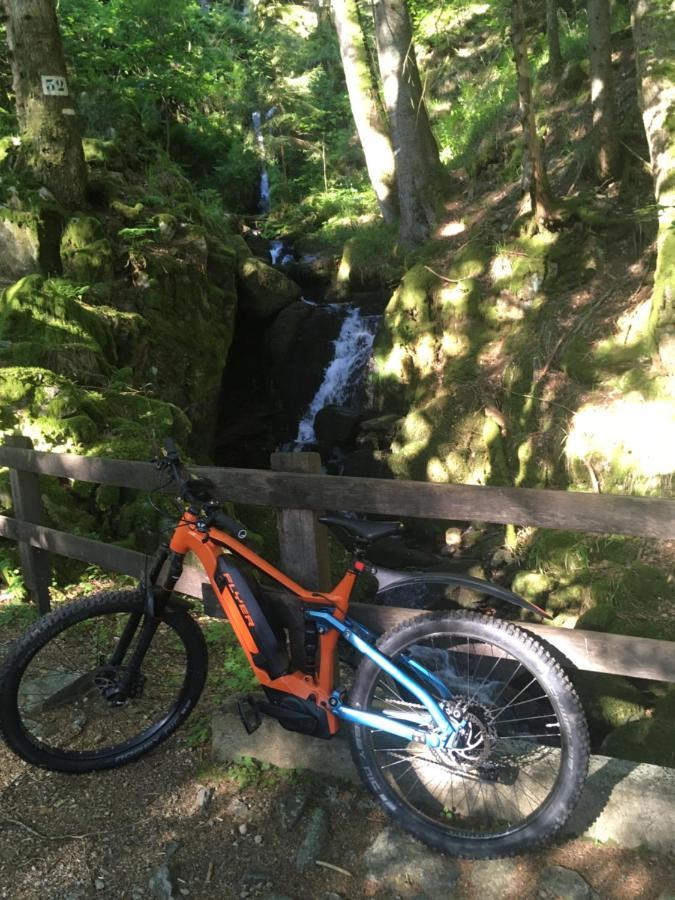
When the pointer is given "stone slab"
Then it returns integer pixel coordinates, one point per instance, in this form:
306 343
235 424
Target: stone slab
630 804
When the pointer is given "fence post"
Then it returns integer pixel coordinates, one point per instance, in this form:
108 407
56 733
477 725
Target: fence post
303 543
27 503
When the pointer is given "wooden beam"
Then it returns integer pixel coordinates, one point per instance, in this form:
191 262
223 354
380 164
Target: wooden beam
27 503
604 514
591 651
303 542
107 556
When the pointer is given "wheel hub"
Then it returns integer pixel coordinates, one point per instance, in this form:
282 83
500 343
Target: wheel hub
108 680
473 743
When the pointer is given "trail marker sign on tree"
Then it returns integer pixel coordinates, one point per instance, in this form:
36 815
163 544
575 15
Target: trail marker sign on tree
54 86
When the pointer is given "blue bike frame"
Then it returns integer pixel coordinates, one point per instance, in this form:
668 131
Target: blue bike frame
362 639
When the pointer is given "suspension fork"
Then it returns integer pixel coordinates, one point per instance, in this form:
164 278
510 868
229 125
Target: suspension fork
156 599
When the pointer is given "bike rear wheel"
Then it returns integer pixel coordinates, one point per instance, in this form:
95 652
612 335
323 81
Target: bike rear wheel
518 766
68 698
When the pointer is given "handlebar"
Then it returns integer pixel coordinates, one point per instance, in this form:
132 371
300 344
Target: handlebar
198 491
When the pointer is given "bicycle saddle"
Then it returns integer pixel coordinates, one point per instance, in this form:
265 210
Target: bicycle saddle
361 530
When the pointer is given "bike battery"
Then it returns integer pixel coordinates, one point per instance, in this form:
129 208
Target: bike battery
269 657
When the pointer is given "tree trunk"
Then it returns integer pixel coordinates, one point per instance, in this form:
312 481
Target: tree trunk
368 117
419 173
543 205
51 143
653 29
553 35
605 137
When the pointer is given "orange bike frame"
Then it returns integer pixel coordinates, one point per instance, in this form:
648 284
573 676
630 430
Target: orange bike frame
208 546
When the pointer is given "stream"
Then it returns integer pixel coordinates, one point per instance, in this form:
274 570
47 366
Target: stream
281 372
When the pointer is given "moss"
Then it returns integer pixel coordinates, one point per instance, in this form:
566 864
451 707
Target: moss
130 214
600 618
609 700
648 741
531 585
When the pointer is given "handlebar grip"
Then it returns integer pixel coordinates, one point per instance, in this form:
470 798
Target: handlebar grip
225 523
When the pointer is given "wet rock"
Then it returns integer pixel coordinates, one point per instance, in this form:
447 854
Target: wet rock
559 883
264 291
315 839
335 424
397 862
366 464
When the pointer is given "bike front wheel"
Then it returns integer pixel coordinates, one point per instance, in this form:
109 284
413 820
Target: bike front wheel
516 768
69 699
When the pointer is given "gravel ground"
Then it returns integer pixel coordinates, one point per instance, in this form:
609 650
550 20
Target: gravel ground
107 835
175 824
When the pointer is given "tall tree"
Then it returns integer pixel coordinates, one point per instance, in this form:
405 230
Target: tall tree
653 28
543 204
419 173
553 37
51 143
365 106
605 137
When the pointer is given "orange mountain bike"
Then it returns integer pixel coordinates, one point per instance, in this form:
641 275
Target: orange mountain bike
463 726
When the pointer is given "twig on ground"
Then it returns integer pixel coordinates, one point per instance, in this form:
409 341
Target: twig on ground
327 865
73 837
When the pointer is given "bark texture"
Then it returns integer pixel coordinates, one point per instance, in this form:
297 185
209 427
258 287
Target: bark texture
419 173
605 136
365 106
653 29
51 143
553 37
543 205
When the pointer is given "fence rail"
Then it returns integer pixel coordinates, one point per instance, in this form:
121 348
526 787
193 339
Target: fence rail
299 495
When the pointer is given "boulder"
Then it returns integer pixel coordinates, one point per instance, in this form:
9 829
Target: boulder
19 244
85 252
263 290
335 424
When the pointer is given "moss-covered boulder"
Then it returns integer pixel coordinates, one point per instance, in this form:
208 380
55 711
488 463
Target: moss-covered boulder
264 291
609 701
19 243
649 741
86 253
48 322
188 302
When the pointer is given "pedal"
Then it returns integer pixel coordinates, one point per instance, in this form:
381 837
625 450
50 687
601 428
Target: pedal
249 714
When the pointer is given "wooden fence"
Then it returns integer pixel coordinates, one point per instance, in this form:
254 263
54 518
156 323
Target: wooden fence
299 491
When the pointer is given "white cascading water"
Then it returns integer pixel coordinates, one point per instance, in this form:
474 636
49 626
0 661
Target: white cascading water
264 202
346 371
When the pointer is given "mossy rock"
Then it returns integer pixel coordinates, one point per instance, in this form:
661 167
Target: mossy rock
599 618
570 598
532 585
648 741
53 313
19 243
264 291
130 214
610 701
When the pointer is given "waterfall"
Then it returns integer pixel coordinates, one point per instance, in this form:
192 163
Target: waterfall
345 374
264 202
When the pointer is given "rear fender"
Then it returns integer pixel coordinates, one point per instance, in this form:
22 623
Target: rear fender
387 579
